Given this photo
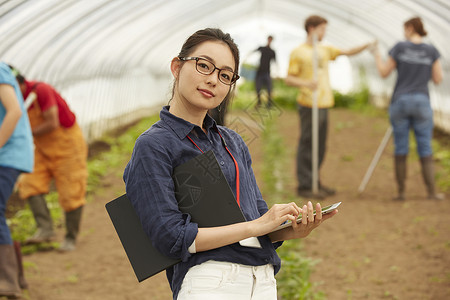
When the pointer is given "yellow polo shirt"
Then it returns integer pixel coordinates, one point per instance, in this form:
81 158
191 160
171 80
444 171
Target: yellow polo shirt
301 66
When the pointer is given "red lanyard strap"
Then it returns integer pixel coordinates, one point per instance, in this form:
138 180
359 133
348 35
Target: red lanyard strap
194 143
234 160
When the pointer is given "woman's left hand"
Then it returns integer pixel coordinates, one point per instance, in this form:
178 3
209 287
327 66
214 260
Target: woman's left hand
310 221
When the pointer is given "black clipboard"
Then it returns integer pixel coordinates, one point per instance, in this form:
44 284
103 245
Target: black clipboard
200 189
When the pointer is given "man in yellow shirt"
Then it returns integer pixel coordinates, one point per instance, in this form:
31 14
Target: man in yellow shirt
301 75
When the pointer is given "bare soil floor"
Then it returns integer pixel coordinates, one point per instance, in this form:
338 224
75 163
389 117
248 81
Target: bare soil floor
374 248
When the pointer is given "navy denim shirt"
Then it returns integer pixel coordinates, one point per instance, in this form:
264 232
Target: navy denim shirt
149 186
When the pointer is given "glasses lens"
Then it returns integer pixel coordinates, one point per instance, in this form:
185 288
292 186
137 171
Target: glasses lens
204 66
226 76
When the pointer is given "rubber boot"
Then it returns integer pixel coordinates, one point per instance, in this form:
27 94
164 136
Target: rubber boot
428 177
73 219
400 176
22 282
9 279
44 222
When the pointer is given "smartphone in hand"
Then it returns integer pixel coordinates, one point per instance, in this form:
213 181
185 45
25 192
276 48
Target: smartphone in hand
325 210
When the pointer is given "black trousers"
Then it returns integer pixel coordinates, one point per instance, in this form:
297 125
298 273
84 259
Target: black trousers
304 153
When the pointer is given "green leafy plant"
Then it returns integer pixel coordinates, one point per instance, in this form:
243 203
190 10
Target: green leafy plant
442 155
293 279
284 96
358 99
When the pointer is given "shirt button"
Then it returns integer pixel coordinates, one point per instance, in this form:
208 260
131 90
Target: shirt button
222 163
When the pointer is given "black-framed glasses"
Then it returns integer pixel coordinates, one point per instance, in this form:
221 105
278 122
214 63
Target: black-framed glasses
205 67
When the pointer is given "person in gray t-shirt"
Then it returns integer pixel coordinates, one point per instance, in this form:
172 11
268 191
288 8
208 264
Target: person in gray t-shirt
416 63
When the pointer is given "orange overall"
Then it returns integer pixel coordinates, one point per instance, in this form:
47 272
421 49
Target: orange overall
60 155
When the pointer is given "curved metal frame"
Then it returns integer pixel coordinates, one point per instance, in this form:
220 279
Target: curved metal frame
101 41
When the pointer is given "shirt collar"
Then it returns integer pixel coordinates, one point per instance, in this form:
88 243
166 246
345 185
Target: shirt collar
182 127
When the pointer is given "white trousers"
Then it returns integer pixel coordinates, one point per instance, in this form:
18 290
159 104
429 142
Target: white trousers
224 281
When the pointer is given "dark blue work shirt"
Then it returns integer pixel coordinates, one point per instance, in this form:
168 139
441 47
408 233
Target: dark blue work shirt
149 186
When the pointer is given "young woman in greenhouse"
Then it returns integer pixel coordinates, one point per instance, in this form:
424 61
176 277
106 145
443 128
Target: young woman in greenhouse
416 63
215 262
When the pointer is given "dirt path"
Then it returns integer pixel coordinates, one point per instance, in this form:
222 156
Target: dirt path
374 249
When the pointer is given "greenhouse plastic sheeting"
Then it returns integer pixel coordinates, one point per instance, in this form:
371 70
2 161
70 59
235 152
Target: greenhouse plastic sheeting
110 58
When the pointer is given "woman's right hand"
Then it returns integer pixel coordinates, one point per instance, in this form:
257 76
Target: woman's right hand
310 221
373 47
274 217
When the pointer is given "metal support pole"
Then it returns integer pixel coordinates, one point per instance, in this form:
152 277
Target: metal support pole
315 124
375 159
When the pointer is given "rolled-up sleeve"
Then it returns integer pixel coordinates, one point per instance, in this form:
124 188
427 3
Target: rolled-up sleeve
294 68
150 188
